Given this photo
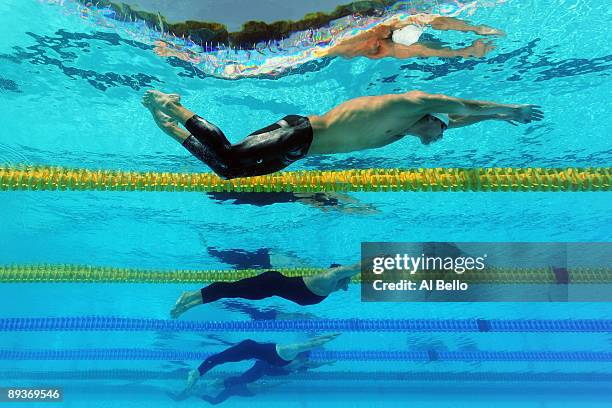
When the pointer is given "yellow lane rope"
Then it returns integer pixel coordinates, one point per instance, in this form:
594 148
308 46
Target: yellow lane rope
42 178
96 274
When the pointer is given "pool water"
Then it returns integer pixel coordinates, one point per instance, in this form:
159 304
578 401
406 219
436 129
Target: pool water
70 93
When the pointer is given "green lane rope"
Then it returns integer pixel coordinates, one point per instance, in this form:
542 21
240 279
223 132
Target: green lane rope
380 180
97 274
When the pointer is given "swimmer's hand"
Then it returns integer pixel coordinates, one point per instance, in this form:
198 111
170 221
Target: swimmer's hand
525 114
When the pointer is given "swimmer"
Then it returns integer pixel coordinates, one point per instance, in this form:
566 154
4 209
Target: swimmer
358 124
402 39
272 360
303 290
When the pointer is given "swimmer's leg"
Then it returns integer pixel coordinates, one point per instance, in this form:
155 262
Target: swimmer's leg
206 141
257 287
245 350
168 126
266 151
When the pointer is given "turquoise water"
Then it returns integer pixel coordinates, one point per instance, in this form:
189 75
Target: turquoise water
70 95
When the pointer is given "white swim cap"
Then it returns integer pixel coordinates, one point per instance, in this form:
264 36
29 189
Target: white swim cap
443 117
407 35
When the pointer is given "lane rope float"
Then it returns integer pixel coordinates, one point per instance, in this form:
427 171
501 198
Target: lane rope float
99 274
344 355
113 323
45 178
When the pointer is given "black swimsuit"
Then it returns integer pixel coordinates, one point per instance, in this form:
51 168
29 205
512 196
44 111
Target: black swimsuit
262 286
266 151
245 350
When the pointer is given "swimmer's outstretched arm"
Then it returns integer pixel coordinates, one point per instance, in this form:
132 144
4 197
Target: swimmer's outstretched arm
457 121
455 24
327 282
425 103
343 272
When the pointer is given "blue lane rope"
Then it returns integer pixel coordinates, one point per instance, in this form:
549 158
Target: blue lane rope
111 323
463 376
347 355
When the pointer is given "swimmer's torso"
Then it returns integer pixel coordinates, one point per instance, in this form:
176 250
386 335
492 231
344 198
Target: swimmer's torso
362 123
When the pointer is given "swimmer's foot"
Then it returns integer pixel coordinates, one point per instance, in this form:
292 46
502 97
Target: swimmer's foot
185 302
160 101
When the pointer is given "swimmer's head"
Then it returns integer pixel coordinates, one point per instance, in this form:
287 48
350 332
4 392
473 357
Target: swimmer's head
431 127
343 284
